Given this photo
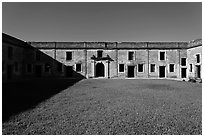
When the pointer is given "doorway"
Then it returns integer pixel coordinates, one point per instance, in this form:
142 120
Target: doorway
183 72
131 71
9 71
198 71
38 71
100 70
162 71
69 71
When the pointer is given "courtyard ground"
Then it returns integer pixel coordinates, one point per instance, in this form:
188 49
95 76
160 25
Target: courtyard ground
115 106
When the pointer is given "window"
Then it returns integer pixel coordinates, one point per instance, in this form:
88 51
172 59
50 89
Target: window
47 67
183 61
191 68
198 58
152 68
121 68
59 67
171 67
78 67
10 52
16 66
140 67
3 66
99 54
130 55
68 55
29 68
37 55
162 55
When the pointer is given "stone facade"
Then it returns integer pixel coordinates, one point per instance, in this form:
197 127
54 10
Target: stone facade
180 60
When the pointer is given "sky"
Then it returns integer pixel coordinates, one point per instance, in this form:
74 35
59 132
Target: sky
114 22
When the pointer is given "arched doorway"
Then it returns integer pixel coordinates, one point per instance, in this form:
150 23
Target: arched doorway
100 70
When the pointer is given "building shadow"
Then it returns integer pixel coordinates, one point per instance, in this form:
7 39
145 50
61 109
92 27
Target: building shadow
47 78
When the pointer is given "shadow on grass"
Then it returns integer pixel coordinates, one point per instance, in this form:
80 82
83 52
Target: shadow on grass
20 96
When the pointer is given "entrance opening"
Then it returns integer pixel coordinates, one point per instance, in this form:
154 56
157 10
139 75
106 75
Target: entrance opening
183 72
69 71
161 71
131 72
100 70
198 71
9 71
38 70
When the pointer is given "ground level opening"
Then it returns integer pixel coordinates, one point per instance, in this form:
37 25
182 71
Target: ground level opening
131 71
161 71
100 71
183 72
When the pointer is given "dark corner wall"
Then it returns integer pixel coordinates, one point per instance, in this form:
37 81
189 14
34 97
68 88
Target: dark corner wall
29 76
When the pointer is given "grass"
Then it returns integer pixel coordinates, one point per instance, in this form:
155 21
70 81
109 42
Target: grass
115 106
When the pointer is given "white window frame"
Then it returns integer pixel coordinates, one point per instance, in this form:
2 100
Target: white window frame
119 68
76 67
181 62
196 58
174 67
128 55
164 55
142 68
155 70
190 69
71 56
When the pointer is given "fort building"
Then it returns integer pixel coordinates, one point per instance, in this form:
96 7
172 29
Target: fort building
29 60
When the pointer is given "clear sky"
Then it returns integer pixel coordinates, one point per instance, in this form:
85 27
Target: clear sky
103 21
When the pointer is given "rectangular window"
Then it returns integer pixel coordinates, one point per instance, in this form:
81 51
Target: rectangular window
121 68
3 66
198 58
10 52
152 67
78 67
130 55
68 55
29 68
191 68
47 67
162 55
37 55
16 66
171 67
140 68
99 54
59 67
183 61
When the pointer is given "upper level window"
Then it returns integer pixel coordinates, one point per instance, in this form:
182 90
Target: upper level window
78 67
47 67
130 55
162 55
37 57
68 55
171 67
29 67
198 58
99 53
59 67
10 52
183 61
152 67
191 68
121 68
16 66
140 68
3 65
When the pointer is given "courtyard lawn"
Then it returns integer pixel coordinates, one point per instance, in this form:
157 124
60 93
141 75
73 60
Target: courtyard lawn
115 106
